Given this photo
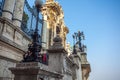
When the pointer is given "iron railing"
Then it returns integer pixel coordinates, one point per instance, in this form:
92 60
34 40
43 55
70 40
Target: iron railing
1 6
29 19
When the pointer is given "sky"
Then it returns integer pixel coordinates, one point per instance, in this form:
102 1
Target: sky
100 22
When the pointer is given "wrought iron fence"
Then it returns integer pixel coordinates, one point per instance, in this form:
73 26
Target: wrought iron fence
29 19
1 6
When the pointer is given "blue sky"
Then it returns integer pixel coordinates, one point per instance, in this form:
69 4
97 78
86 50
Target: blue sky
100 21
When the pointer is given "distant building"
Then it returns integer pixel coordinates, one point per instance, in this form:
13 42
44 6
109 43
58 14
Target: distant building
17 23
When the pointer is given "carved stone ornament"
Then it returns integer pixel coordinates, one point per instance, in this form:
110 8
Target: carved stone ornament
57 39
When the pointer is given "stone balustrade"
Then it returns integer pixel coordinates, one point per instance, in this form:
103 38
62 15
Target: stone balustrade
13 34
13 41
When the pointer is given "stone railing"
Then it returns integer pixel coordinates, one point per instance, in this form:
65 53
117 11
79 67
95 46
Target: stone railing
13 35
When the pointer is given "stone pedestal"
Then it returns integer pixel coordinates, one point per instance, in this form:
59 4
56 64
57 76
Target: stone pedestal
8 9
85 66
33 71
57 55
77 61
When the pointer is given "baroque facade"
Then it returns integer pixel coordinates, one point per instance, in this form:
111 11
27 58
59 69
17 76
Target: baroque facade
53 18
14 43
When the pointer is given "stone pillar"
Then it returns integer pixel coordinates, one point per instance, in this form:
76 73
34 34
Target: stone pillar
57 55
86 69
18 12
44 32
77 60
8 9
83 57
46 28
47 35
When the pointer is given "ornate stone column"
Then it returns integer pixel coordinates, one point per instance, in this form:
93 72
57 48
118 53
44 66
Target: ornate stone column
8 9
18 12
44 32
46 28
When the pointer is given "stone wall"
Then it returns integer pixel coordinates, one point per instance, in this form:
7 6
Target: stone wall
10 52
5 74
13 44
34 71
67 69
13 33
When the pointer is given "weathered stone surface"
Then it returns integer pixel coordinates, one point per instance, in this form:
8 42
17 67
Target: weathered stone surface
32 64
59 62
8 9
18 13
5 74
45 30
14 34
34 71
1 28
8 32
18 38
68 72
77 61
10 52
57 45
85 66
56 55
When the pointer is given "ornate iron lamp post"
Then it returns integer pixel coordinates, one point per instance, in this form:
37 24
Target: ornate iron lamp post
35 47
80 37
77 37
36 37
74 40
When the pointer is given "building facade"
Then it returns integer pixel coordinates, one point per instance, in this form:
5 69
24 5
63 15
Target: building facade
53 20
14 41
